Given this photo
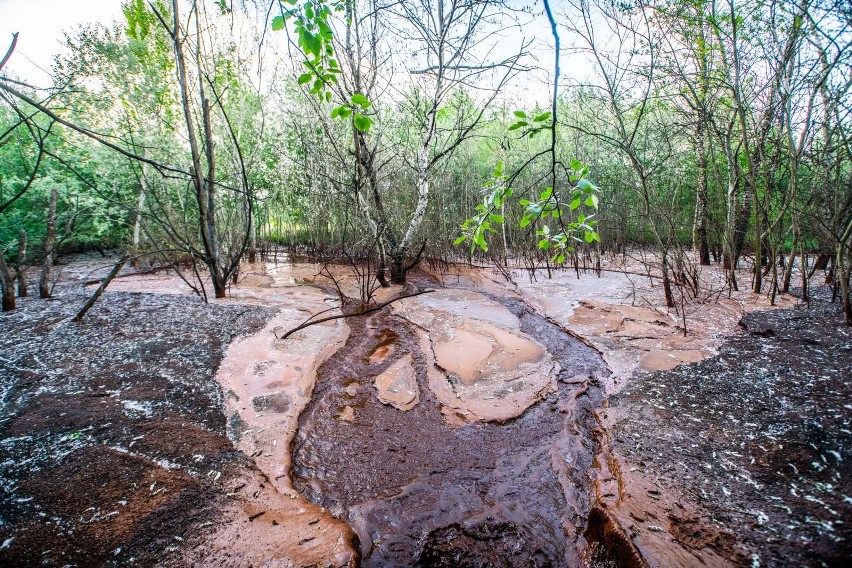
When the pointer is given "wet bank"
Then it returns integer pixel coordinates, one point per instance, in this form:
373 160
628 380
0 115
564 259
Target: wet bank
422 488
744 458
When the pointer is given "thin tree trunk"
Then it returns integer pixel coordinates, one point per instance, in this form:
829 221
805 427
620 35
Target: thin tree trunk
49 243
22 264
843 271
137 221
91 301
8 284
699 235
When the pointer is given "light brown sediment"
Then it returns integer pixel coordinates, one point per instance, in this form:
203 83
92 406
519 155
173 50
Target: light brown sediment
267 383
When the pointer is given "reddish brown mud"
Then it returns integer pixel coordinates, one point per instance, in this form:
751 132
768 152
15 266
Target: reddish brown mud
420 491
112 437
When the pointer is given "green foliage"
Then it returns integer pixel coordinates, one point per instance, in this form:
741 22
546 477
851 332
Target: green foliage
579 192
531 127
316 40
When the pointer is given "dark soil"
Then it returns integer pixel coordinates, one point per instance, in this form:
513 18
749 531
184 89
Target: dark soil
420 492
758 436
112 436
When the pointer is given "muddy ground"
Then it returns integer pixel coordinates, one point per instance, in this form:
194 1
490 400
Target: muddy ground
112 435
749 452
119 444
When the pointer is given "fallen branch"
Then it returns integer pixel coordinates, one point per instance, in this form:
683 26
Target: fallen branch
91 302
142 272
310 321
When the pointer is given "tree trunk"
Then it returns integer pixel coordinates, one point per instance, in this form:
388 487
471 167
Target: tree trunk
806 297
91 301
843 271
8 284
137 217
699 233
49 243
22 264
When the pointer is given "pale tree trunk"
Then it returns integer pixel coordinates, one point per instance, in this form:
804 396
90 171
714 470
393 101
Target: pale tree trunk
137 220
49 243
699 234
22 264
400 252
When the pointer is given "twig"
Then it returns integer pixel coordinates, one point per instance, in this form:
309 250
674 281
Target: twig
312 321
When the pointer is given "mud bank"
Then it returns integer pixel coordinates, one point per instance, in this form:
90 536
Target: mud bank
112 438
743 458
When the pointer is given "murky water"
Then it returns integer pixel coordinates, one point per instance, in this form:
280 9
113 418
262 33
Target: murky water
419 491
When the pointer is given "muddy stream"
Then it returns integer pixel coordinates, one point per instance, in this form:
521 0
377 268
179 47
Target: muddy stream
456 429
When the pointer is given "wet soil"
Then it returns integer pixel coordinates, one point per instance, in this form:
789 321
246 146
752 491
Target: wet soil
419 491
113 446
748 453
112 438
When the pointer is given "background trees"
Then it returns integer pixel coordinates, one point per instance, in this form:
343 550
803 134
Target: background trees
718 130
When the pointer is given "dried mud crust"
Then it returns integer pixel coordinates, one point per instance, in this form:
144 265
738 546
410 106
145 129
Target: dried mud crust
112 436
748 453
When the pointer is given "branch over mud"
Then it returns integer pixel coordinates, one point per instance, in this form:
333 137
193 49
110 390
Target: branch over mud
310 321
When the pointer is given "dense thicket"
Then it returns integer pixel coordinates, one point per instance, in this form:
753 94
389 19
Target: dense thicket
717 132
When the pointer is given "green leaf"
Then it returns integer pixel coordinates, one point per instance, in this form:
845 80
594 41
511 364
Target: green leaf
360 100
542 117
592 201
460 240
576 165
362 123
544 244
520 114
518 125
546 194
496 218
277 23
304 78
589 236
526 221
575 203
479 240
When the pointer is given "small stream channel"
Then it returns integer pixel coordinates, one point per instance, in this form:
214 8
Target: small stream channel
420 492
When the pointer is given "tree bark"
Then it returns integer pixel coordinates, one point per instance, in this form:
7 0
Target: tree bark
699 235
8 284
23 292
49 243
91 301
